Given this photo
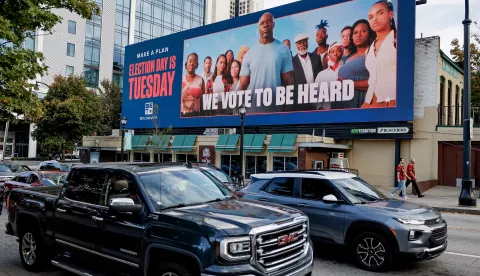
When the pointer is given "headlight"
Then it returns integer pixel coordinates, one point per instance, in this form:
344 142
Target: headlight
235 249
410 221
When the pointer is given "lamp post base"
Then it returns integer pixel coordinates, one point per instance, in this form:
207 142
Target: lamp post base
467 198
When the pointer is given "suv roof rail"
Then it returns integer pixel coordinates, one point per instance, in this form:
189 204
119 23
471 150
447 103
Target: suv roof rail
296 171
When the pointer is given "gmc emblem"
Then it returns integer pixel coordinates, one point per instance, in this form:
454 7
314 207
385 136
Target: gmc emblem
286 239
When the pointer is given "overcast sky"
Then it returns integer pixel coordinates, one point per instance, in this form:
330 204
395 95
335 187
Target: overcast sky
437 18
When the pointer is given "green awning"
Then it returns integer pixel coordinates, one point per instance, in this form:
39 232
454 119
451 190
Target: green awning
184 142
282 143
139 142
150 142
227 142
253 142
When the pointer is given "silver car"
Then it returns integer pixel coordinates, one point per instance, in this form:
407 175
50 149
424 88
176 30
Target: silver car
345 210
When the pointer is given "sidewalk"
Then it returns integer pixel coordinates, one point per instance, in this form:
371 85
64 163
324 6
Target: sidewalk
444 199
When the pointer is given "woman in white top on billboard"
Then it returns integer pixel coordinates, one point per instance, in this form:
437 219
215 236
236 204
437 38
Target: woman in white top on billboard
381 60
335 55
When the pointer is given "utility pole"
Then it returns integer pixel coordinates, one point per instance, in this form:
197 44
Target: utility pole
467 198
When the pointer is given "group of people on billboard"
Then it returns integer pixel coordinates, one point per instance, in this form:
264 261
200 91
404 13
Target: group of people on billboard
357 71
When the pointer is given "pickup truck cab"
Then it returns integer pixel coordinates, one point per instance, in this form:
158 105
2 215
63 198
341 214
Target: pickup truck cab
155 219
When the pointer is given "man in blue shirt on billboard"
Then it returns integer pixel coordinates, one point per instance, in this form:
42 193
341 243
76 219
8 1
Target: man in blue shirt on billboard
267 64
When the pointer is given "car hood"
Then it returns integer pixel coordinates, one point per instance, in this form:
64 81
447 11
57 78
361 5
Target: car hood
398 208
235 217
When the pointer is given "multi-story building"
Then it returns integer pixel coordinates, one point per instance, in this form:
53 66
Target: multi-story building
96 48
219 10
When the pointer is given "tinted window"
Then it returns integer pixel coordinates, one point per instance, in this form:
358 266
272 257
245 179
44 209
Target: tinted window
23 178
34 180
5 168
315 189
255 185
120 185
281 186
86 186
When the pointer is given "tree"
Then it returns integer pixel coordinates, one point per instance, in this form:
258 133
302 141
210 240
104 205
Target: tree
159 137
71 111
458 56
19 19
111 100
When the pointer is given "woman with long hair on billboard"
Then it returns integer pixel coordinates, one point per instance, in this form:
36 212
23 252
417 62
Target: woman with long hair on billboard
235 81
381 60
354 67
346 41
220 81
230 58
192 87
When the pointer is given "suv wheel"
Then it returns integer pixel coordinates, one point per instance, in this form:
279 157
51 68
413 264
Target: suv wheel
33 253
172 269
372 252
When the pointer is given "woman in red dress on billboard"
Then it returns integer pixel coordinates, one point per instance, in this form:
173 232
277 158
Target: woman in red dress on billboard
381 57
192 87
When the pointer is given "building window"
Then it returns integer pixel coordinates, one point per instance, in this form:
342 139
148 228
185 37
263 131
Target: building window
162 157
69 70
141 157
441 110
91 76
183 158
29 43
255 164
449 104
230 164
91 60
118 80
72 27
457 105
283 163
70 49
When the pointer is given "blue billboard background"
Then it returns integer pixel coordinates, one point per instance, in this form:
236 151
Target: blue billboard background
166 58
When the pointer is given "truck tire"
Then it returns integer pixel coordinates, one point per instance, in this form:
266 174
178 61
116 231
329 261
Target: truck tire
372 252
172 269
32 250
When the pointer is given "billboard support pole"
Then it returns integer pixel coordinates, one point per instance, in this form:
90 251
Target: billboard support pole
467 198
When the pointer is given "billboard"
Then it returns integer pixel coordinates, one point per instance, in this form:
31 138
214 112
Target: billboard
307 62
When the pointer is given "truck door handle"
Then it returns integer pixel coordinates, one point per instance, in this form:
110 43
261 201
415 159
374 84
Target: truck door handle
97 218
303 205
61 210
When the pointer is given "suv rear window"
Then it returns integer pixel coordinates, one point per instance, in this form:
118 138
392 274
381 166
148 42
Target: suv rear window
281 186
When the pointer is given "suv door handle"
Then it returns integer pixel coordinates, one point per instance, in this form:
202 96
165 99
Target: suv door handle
303 205
61 210
262 199
97 218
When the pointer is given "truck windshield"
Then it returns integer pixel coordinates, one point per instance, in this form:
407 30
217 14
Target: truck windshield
174 187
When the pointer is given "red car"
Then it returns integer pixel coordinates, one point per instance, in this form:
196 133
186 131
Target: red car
35 179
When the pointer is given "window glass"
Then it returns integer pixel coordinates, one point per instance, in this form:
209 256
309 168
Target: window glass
315 189
230 164
120 185
72 27
86 186
255 164
5 168
69 70
70 49
34 180
281 186
281 163
23 178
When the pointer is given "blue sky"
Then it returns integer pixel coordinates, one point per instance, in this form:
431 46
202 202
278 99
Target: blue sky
437 18
338 17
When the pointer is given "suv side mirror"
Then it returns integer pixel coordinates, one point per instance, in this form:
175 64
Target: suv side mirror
125 205
331 199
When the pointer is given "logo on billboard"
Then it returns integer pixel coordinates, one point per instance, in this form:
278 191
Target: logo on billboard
149 109
363 131
392 130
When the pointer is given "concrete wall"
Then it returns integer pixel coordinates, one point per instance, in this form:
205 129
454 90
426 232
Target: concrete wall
427 53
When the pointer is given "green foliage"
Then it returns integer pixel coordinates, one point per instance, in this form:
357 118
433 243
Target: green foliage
111 100
71 112
19 19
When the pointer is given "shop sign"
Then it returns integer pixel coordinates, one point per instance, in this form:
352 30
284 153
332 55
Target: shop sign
207 154
363 131
393 130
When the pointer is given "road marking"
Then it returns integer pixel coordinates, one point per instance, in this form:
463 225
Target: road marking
463 255
464 228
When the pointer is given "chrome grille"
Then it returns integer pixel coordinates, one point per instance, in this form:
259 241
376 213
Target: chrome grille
282 247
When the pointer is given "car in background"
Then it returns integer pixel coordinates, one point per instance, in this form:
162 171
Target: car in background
6 173
15 167
345 210
52 165
217 173
35 179
71 165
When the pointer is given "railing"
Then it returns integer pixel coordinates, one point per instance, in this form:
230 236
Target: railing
352 171
452 115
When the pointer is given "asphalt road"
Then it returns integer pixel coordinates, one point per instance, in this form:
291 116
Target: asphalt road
462 256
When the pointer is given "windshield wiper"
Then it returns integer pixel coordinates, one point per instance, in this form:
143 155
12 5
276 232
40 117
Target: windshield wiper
216 200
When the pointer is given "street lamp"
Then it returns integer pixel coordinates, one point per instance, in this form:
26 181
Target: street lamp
467 198
123 122
242 110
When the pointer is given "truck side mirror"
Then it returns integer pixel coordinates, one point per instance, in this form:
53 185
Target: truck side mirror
125 205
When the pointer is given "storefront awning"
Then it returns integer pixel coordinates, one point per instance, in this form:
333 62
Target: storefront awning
183 142
227 142
282 142
253 142
150 142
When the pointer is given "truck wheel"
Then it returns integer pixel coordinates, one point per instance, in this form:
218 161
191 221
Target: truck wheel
172 269
32 251
372 252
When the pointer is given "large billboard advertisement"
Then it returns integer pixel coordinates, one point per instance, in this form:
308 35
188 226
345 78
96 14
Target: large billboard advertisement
307 62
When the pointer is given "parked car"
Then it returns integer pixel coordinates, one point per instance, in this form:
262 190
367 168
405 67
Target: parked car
17 168
52 165
6 173
155 219
345 210
216 172
34 179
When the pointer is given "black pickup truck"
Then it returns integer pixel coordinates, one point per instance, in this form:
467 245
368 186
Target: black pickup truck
155 219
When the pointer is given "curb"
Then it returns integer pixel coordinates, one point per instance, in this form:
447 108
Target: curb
458 210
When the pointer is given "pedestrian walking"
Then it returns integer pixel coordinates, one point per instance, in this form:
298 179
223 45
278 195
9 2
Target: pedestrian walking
412 178
401 179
